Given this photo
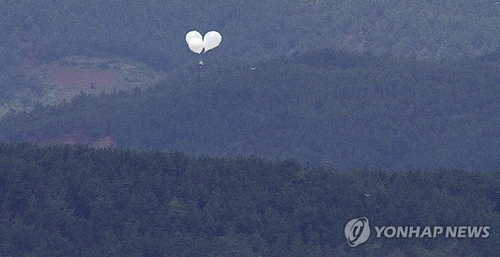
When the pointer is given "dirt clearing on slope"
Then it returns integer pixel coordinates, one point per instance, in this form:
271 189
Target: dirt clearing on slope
90 75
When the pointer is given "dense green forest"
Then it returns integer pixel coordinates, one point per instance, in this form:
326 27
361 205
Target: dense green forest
310 113
153 31
81 201
326 107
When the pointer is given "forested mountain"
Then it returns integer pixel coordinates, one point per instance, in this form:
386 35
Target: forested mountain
154 29
326 107
34 32
310 113
79 201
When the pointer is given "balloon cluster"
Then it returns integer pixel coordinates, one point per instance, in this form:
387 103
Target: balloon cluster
199 44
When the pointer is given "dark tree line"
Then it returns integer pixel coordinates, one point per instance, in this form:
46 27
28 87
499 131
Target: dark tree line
80 201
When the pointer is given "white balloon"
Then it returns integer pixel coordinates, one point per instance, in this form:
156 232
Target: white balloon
192 34
212 39
196 45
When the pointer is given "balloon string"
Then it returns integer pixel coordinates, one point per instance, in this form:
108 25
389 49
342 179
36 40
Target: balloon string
201 60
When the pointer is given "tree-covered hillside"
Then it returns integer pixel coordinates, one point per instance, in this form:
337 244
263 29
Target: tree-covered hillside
346 110
309 114
79 201
153 31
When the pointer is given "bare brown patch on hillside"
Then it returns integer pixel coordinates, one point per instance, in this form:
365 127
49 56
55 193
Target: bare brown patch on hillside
77 137
73 75
81 74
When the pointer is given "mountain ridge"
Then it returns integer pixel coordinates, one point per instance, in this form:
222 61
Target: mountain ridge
350 110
